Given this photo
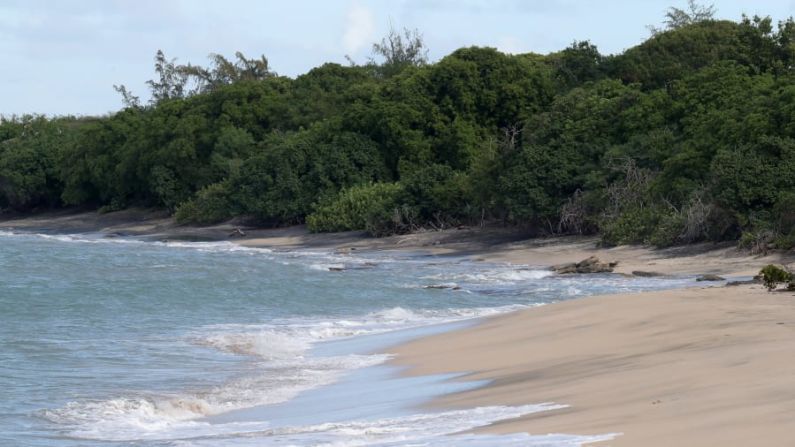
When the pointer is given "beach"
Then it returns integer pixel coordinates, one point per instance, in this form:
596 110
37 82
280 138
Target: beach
706 365
701 366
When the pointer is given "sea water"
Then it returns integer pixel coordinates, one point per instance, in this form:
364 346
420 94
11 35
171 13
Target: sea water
114 341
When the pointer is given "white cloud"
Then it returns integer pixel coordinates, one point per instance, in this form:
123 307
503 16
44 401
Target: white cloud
359 28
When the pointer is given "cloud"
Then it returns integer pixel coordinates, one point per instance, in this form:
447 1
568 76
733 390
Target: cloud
359 28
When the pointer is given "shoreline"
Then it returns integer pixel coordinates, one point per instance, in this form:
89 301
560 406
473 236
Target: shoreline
696 366
492 244
706 366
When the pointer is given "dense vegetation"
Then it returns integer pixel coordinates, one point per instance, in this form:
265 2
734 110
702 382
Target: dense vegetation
689 136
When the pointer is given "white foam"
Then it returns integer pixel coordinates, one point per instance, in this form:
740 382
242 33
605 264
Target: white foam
288 338
324 267
284 369
424 429
504 276
166 417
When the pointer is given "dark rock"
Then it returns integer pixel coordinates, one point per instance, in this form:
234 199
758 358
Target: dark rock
565 268
442 286
741 283
363 266
590 265
643 274
710 278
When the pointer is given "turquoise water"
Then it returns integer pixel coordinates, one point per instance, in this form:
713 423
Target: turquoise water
127 342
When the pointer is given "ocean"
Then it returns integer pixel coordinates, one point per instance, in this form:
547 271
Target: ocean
128 342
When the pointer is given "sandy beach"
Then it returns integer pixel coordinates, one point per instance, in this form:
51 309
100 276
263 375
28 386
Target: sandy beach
493 243
694 367
704 366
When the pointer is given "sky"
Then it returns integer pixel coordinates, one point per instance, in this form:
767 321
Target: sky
63 57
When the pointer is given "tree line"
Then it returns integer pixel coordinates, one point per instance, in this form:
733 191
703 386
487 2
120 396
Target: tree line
689 136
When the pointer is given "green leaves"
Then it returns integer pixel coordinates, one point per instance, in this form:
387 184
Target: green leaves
702 113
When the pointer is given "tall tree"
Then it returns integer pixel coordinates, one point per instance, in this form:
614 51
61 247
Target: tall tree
676 18
399 49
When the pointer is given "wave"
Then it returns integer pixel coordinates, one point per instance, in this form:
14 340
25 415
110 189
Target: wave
425 429
167 417
507 275
288 338
284 368
437 429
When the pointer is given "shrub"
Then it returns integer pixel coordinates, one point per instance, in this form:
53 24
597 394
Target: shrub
402 219
210 205
784 213
633 226
786 241
757 241
669 230
773 275
362 207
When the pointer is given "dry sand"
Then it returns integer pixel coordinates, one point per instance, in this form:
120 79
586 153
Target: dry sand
693 367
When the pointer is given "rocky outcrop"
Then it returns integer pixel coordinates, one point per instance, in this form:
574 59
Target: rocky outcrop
642 274
590 265
710 278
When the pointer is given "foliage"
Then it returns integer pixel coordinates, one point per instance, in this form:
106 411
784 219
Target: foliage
280 184
677 18
686 137
399 50
773 275
210 205
362 207
30 148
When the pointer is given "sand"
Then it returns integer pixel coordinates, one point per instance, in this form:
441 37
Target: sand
693 367
495 243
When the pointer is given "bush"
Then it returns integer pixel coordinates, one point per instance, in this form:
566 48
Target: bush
786 241
784 213
757 241
402 219
669 230
634 226
282 185
773 275
362 207
210 205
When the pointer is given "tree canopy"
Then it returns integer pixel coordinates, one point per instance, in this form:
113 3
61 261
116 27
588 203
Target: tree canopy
685 137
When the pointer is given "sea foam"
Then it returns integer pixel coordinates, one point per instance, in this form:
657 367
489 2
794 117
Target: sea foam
423 429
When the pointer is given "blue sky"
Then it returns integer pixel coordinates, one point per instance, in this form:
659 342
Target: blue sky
63 57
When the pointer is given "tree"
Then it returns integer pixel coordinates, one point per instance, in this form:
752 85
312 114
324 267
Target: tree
579 63
399 50
222 71
127 98
171 79
676 18
181 81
